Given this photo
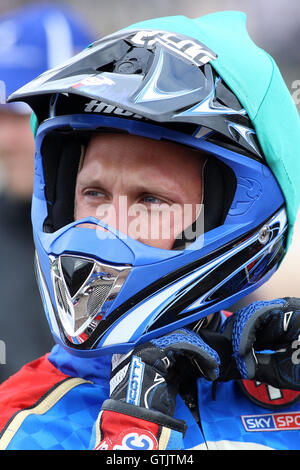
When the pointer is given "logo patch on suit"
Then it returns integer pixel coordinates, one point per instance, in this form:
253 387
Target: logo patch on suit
268 396
132 439
272 422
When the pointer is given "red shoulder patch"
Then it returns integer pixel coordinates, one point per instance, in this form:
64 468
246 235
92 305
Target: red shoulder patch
268 396
23 389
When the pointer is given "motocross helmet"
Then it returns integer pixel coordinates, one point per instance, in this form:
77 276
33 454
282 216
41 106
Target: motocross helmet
110 294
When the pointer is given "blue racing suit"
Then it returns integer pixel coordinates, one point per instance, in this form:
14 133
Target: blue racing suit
54 402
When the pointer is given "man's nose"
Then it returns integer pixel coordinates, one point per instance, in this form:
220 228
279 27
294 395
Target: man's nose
115 213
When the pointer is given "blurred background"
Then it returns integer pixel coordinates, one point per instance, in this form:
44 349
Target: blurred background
273 24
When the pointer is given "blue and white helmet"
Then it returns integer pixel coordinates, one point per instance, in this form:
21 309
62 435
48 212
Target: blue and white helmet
110 294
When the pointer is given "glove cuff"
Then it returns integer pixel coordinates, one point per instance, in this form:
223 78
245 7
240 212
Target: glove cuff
145 414
122 426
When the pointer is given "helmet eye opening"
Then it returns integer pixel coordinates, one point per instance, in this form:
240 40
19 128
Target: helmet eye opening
62 154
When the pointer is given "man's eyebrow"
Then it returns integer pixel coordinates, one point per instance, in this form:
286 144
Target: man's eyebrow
93 183
87 180
157 190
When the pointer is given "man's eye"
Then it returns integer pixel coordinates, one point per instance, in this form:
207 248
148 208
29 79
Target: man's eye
152 200
93 193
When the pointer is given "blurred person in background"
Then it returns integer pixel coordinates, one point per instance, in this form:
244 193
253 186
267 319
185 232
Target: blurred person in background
32 39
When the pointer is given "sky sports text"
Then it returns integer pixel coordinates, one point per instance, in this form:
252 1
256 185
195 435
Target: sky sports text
272 422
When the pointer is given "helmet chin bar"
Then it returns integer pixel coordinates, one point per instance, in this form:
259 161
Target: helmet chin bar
84 290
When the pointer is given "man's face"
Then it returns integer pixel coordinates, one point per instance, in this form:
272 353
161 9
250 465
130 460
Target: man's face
147 189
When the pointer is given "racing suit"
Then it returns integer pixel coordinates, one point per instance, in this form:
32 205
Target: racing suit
54 402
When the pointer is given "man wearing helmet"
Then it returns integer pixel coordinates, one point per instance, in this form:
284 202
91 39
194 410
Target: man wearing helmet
162 115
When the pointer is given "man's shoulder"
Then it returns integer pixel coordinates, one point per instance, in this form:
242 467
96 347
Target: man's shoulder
25 388
38 401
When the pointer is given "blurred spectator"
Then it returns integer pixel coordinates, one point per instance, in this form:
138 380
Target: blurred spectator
32 40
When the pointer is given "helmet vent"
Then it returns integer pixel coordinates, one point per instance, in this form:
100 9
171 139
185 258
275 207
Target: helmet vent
97 298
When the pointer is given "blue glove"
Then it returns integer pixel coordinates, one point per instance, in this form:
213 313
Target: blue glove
265 340
143 389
